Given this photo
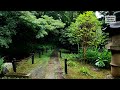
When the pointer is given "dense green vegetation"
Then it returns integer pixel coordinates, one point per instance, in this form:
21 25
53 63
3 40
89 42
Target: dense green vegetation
21 31
78 70
78 33
86 31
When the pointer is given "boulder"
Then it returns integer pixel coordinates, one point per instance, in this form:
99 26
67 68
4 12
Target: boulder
6 67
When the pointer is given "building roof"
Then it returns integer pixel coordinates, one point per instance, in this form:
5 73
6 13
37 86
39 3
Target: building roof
115 25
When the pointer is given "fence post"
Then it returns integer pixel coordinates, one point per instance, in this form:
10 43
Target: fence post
32 58
14 64
42 50
65 66
60 53
46 50
39 53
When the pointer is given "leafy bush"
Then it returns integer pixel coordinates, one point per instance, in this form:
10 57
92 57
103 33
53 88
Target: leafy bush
43 47
1 62
84 70
72 64
100 62
65 51
104 59
91 55
69 56
99 59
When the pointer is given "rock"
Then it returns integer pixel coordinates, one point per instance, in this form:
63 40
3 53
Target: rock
111 77
6 67
4 70
96 69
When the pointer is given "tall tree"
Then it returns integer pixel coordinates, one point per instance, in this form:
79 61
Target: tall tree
84 30
22 28
8 23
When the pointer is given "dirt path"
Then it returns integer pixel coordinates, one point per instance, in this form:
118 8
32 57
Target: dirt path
48 70
54 70
39 72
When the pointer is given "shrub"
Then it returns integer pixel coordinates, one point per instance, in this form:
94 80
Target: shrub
72 64
91 55
100 62
104 59
70 56
65 51
84 70
1 62
99 59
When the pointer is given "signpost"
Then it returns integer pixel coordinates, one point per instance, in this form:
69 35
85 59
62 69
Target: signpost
110 19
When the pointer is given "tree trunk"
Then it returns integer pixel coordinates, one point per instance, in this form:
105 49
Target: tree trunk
84 46
78 48
84 53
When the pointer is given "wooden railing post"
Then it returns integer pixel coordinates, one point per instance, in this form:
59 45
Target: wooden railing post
65 66
60 53
39 53
14 64
42 50
32 58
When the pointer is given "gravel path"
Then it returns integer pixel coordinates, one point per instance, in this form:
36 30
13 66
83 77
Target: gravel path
54 70
48 70
39 72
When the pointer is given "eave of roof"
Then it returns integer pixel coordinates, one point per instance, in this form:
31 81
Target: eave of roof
115 25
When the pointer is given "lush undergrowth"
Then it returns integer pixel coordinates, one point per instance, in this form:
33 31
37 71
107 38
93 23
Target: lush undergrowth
78 70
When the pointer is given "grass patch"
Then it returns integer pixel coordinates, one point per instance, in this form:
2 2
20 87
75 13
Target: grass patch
25 66
78 70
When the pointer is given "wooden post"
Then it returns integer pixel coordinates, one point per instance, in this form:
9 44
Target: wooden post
60 53
32 58
78 48
65 66
14 64
42 51
46 50
39 53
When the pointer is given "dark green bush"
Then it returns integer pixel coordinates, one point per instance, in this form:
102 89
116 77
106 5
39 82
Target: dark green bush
1 62
65 51
104 59
94 56
91 55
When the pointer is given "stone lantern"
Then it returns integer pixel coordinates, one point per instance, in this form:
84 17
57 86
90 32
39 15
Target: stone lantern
114 46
